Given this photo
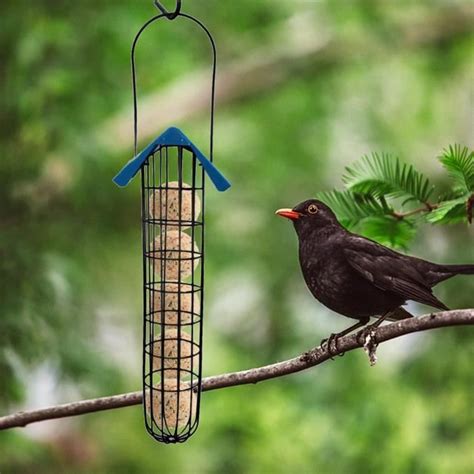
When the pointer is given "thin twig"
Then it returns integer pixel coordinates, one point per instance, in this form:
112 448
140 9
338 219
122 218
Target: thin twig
428 207
304 361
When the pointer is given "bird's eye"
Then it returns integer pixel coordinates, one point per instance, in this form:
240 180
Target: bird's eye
313 209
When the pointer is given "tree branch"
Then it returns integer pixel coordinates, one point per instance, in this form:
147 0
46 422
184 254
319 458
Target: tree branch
304 361
428 207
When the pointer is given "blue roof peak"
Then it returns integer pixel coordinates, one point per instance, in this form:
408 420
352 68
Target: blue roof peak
173 136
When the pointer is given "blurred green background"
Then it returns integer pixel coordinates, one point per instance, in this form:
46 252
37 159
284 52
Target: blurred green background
305 88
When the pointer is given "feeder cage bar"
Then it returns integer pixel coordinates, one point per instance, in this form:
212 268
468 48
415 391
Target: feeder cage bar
173 271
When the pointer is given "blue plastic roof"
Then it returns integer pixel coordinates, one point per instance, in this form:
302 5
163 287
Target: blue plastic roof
171 137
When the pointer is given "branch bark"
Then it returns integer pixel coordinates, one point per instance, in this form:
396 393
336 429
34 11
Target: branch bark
304 361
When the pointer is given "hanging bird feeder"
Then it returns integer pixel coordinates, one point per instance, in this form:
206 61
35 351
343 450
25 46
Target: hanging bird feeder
173 181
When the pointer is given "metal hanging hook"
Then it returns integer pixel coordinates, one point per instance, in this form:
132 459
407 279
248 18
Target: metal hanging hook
169 15
213 76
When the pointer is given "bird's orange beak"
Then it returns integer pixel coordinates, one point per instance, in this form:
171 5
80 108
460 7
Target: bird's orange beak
288 213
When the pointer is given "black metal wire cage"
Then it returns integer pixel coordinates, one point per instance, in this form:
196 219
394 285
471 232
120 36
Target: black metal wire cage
172 187
173 272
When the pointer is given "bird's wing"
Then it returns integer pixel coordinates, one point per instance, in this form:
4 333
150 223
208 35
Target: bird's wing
389 271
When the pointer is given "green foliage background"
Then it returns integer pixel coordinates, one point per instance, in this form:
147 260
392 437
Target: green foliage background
386 198
70 269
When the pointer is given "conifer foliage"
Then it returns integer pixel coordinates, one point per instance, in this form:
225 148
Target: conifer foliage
385 199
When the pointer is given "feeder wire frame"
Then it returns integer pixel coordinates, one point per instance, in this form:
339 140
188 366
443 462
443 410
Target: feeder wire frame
151 182
184 397
213 78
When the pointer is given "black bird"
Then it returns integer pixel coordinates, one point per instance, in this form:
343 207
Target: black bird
357 277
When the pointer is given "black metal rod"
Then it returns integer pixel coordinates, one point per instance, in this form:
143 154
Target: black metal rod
169 15
213 78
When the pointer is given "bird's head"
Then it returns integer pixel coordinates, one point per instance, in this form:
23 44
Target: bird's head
309 216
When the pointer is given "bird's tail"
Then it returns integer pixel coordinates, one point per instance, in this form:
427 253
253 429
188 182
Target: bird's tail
439 273
460 269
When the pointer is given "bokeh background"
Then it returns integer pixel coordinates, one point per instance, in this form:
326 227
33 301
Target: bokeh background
305 88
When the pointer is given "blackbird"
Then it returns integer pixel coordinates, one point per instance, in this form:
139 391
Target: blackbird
357 277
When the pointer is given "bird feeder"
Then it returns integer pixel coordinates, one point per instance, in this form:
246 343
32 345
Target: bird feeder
173 172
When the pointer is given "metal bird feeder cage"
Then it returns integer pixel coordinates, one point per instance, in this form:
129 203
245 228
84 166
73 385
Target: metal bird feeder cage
173 182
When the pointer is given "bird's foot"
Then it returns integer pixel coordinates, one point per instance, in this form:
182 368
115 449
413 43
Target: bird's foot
326 343
330 343
365 333
367 337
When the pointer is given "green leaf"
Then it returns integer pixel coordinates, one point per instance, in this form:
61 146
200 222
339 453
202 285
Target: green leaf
459 162
449 212
385 175
350 208
388 230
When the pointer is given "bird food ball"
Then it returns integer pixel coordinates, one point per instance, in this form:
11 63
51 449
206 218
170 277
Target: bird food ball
176 412
177 302
177 351
165 204
178 252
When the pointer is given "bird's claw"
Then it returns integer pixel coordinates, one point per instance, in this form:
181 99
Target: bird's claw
326 344
367 337
331 343
367 334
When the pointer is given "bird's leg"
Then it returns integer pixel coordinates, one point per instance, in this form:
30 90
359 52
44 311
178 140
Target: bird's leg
380 320
334 337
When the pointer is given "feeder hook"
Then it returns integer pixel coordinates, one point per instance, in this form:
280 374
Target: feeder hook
169 15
